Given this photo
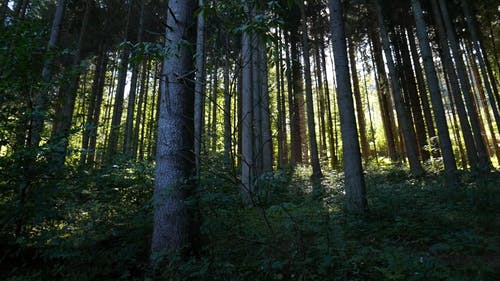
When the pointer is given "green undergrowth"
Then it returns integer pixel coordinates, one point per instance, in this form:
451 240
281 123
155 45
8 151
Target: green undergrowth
96 225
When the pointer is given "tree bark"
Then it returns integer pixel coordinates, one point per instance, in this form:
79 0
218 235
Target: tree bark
116 119
247 157
353 169
174 226
408 133
199 100
450 165
365 148
39 115
309 100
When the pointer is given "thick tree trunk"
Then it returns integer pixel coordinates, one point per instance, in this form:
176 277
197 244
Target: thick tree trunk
353 170
174 226
450 165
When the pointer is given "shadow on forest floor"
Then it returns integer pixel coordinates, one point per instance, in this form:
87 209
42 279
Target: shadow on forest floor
97 225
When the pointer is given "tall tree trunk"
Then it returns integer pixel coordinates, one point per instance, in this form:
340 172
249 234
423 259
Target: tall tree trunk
267 148
199 101
295 139
213 122
309 98
383 96
281 125
175 227
116 119
365 148
142 93
144 117
247 150
416 108
38 119
477 48
353 169
422 88
68 92
329 118
227 110
450 165
128 142
408 133
90 127
483 161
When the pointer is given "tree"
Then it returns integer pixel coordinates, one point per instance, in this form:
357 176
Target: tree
450 166
173 221
353 169
410 141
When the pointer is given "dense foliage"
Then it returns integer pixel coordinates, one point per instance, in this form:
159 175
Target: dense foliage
96 225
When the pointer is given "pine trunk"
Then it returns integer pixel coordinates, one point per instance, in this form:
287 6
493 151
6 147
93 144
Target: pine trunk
174 226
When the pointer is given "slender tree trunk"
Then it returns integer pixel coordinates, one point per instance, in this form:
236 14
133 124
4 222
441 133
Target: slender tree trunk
64 114
175 227
142 92
295 139
353 169
416 108
483 161
365 147
90 127
321 99
450 165
227 110
39 114
422 89
116 120
199 101
128 138
477 48
281 126
143 119
213 122
329 119
408 133
383 97
247 157
309 98
267 148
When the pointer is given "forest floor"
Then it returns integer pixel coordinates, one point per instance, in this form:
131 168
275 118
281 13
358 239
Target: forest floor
96 225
